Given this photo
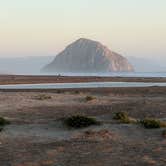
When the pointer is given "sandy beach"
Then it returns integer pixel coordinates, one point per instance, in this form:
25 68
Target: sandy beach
37 136
25 79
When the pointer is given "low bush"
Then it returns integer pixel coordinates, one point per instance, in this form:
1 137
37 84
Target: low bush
43 97
79 121
76 92
3 121
89 98
59 91
150 123
123 117
120 116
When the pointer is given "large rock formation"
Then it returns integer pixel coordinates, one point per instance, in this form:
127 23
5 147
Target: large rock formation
85 55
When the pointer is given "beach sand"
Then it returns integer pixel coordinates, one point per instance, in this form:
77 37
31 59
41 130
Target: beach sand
25 79
37 136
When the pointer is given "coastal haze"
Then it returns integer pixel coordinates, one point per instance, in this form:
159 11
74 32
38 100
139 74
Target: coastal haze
84 57
82 82
33 65
32 31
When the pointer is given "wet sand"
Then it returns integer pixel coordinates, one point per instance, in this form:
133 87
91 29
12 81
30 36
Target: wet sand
24 79
37 136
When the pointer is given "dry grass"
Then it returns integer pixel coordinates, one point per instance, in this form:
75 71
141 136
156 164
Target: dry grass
150 123
123 117
90 98
43 97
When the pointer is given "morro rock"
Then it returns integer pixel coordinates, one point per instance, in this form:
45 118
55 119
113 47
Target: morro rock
86 55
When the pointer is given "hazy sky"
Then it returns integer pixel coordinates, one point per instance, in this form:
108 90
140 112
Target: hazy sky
44 27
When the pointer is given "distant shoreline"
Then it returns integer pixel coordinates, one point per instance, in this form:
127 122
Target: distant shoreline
38 79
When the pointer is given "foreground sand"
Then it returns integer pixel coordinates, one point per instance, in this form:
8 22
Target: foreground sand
37 137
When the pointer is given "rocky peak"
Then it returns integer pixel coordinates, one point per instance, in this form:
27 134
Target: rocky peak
85 55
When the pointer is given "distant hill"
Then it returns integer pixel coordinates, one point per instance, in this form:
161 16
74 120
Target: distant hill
33 64
23 65
147 64
86 55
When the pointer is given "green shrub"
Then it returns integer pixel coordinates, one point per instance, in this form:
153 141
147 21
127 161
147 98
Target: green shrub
79 121
43 97
123 117
76 92
150 123
3 121
59 91
120 116
89 98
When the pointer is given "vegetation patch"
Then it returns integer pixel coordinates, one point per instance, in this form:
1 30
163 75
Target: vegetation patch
76 92
100 135
150 123
58 91
3 121
79 121
90 98
1 128
123 117
43 97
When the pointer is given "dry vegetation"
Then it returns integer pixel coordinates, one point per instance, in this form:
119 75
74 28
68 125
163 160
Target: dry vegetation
43 97
79 121
37 135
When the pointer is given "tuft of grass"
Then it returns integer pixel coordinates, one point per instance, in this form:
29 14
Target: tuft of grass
76 92
123 117
3 121
59 91
90 98
120 116
43 97
150 123
79 121
1 129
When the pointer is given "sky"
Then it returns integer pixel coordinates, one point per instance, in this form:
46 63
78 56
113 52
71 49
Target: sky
45 27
